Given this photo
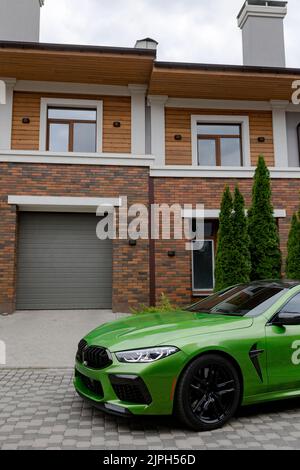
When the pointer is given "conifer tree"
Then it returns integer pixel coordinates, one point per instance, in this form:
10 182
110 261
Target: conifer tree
224 257
241 241
293 258
262 228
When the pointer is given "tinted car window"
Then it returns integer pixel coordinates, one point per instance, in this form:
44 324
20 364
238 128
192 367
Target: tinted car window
244 300
293 306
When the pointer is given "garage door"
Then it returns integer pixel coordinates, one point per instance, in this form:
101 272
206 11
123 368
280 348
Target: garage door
62 264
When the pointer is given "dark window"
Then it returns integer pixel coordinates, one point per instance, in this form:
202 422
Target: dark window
72 130
203 266
219 145
203 260
244 300
293 306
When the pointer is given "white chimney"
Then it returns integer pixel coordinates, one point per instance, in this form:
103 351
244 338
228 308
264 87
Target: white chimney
20 20
146 43
262 26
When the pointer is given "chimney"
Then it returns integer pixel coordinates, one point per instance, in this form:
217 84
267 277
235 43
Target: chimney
146 43
20 20
262 27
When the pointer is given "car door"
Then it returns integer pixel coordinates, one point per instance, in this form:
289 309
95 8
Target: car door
283 347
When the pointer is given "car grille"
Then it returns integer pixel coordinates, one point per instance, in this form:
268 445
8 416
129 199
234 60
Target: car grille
93 386
94 357
131 389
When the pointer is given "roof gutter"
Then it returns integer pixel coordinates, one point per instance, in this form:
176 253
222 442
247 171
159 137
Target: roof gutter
37 46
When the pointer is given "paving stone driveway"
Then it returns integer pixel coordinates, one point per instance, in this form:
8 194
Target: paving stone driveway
40 410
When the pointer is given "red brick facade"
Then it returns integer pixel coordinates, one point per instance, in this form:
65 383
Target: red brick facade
130 264
174 275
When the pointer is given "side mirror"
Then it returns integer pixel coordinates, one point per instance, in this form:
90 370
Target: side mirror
286 319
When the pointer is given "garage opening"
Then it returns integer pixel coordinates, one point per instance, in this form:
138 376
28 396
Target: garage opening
61 263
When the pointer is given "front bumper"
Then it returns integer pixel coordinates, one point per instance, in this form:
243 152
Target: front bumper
148 388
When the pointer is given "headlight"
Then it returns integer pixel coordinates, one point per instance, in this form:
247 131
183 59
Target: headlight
146 355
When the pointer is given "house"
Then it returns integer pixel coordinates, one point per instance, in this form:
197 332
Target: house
83 126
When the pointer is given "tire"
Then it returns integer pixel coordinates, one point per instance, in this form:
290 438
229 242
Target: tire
208 393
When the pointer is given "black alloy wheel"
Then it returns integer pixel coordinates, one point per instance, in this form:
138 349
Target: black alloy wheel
208 393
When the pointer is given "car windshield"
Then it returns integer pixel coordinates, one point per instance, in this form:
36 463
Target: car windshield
249 300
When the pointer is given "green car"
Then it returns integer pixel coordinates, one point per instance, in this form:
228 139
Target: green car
237 347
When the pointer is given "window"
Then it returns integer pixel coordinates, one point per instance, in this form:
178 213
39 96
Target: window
220 141
219 144
203 266
71 130
203 260
244 300
293 306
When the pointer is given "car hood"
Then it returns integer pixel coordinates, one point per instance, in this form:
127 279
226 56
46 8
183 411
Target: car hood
140 331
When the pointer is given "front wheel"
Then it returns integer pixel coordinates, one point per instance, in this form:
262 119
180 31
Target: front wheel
208 393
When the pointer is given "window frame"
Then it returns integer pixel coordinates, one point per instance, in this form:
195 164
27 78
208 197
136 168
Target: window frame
70 123
217 138
203 292
229 119
71 104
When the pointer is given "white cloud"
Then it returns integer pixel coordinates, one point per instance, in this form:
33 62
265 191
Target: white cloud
188 30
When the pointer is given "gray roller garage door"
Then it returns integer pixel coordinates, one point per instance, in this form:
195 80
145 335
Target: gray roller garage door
61 263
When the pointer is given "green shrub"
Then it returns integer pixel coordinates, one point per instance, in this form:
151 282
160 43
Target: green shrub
163 306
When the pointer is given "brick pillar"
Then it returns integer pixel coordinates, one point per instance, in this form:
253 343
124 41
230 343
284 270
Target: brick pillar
8 232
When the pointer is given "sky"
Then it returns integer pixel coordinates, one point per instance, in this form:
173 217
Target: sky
187 30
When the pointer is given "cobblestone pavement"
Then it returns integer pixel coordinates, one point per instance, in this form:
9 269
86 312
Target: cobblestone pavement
40 410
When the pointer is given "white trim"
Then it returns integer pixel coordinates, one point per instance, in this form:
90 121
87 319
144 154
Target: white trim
74 103
62 204
138 118
220 172
101 159
215 214
243 120
199 291
280 133
79 88
6 114
261 11
158 132
218 104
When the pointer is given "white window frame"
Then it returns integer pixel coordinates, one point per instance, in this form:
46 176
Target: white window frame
70 103
203 291
226 119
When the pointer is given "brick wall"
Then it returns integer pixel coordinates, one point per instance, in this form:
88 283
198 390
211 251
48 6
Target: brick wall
174 275
130 264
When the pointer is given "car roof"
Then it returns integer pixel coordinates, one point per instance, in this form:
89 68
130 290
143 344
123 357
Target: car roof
282 283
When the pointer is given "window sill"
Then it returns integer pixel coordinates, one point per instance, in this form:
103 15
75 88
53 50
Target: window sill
71 158
203 293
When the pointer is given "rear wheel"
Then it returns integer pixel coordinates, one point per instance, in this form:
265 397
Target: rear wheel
208 393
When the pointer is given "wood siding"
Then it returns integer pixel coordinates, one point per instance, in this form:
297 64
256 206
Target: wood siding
178 121
115 108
